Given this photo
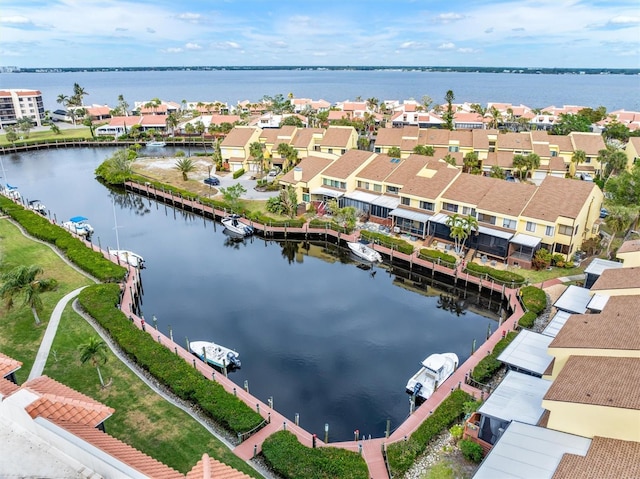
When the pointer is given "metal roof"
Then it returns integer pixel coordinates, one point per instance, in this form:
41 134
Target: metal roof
517 398
411 215
526 240
386 201
327 192
496 233
525 452
362 196
574 300
598 265
440 218
556 324
528 351
598 302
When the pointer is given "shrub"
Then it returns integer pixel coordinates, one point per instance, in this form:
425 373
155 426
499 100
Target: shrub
528 320
534 299
541 260
401 455
388 241
471 450
291 460
488 365
238 174
498 275
435 255
456 431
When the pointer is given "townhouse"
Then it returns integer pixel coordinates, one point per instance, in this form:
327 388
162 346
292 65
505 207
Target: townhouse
234 149
632 150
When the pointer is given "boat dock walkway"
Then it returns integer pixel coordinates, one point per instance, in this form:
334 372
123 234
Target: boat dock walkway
371 449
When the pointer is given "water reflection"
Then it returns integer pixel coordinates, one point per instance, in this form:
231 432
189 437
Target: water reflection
453 304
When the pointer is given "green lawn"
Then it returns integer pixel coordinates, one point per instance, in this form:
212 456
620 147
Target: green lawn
543 275
48 135
142 418
20 336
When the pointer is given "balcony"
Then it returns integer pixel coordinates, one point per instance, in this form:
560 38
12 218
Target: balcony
472 432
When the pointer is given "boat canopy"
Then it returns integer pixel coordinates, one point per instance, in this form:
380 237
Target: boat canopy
78 219
434 362
11 187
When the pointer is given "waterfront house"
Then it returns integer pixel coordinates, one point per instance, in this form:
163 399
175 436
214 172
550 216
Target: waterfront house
340 177
305 178
338 140
234 148
591 144
121 125
305 141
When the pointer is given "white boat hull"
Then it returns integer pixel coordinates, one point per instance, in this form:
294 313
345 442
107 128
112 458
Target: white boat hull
365 252
435 370
234 225
128 257
215 354
78 228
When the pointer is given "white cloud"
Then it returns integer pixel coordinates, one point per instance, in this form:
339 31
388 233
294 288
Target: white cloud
448 17
173 50
15 20
489 30
466 50
446 46
410 45
193 46
150 30
190 17
278 44
624 20
227 45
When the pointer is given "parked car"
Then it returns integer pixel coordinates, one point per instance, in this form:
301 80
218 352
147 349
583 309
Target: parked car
212 181
585 177
271 176
604 212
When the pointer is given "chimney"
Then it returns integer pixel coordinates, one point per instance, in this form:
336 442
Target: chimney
297 174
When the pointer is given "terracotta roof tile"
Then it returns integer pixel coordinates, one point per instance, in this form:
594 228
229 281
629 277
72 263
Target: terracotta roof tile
311 166
542 150
556 163
481 139
598 381
430 188
619 278
558 197
389 137
464 138
630 246
501 158
7 387
8 365
613 328
347 164
209 468
441 152
121 451
337 136
606 459
437 137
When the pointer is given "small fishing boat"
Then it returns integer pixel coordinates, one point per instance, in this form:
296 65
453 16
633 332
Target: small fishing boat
128 257
12 192
365 252
79 226
215 355
156 144
233 224
38 207
434 371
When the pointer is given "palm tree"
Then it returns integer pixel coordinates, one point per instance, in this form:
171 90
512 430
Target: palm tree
372 104
448 116
619 219
497 172
94 351
496 117
579 156
78 94
185 166
471 163
450 159
460 228
22 281
62 99
426 101
171 122
256 151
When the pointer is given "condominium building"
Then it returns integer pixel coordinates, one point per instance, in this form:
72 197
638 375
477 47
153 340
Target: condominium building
18 103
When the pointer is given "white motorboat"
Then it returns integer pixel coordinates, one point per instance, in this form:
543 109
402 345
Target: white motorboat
233 223
156 144
12 192
38 207
215 355
365 252
434 371
79 226
128 257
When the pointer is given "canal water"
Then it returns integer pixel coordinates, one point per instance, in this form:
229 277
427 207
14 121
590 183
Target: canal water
315 329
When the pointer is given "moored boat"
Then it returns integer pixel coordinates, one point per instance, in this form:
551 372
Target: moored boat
38 207
434 371
156 144
78 225
365 252
12 192
233 223
128 257
215 355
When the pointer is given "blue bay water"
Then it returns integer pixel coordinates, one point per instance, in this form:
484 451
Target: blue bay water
534 90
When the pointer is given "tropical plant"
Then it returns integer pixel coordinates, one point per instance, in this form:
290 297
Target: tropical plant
450 159
497 172
286 203
471 164
471 450
23 281
232 195
619 219
185 166
460 228
613 161
426 150
394 152
292 120
426 102
95 352
117 168
10 133
448 115
24 124
624 189
496 117
578 157
569 122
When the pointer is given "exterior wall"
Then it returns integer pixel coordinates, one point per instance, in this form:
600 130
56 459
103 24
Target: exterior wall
589 420
630 260
619 292
562 355
21 104
633 154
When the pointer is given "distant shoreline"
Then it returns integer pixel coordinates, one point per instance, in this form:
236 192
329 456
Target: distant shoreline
426 69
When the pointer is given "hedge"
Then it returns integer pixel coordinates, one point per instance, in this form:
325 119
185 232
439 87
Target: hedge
332 225
238 174
388 241
528 320
401 455
498 275
291 460
435 255
472 451
534 299
488 365
85 258
168 368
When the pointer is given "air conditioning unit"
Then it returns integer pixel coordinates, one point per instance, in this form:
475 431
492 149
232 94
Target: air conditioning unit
396 229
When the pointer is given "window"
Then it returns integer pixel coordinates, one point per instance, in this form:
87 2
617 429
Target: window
485 218
343 151
531 226
363 184
405 201
425 205
306 197
454 149
507 223
377 150
334 183
393 189
450 207
377 188
554 153
330 150
467 210
549 231
565 230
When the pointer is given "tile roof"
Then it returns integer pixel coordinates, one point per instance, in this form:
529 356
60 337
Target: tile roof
7 387
598 381
590 143
337 136
440 152
8 365
606 459
311 166
430 188
619 278
501 158
408 169
304 137
153 120
389 137
556 163
562 142
209 468
611 329
464 138
437 137
121 451
558 197
347 164
481 138
514 141
469 189
504 197
541 149
631 246
59 402
239 136
379 168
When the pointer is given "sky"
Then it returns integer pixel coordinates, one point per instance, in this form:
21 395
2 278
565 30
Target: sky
509 33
